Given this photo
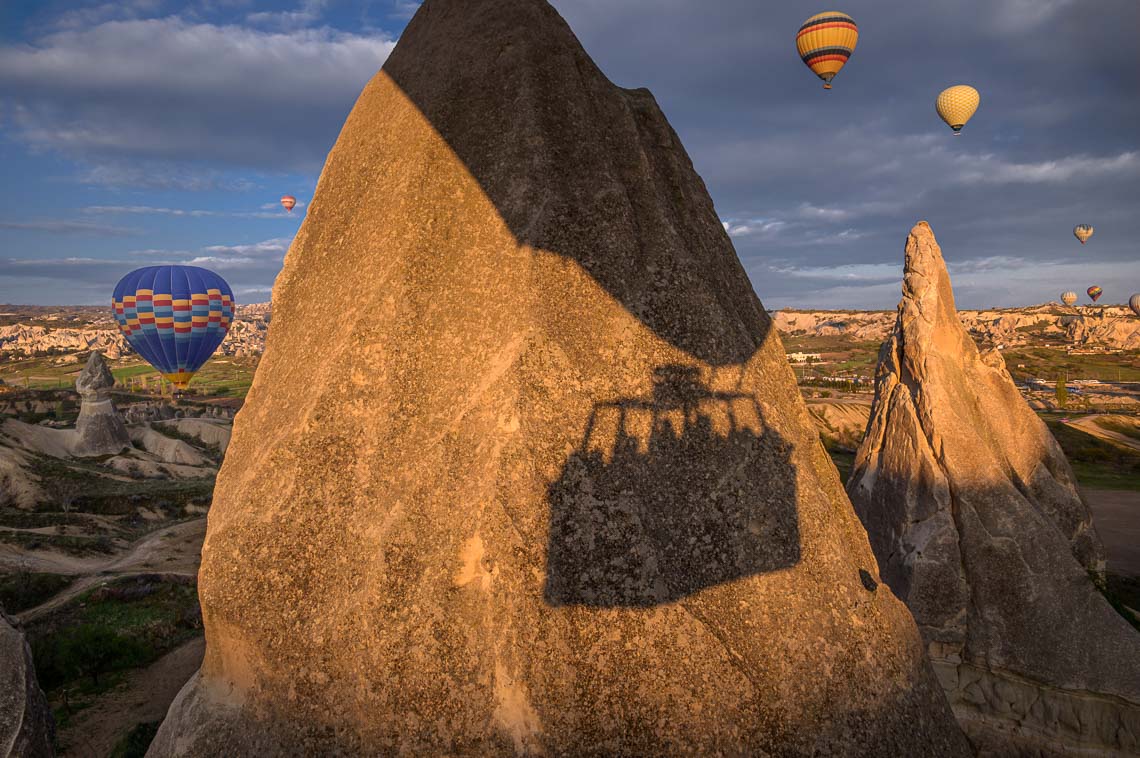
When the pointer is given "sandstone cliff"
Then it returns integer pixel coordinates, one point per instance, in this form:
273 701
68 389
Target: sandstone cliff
974 515
544 485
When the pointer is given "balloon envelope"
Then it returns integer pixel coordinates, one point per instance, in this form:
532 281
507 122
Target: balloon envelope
825 42
1068 298
1083 232
174 317
1094 292
288 202
957 104
1134 303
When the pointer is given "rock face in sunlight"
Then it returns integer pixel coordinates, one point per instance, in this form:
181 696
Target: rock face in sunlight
26 725
977 524
99 430
524 469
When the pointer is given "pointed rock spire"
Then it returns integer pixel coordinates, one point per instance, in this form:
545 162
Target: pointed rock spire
974 515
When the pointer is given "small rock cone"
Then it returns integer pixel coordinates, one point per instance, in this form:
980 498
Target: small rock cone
99 429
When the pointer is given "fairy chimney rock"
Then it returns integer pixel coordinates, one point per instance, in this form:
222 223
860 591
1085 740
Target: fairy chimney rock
99 429
553 490
976 521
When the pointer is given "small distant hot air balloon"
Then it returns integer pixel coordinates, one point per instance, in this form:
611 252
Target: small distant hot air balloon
1068 298
1094 292
825 42
174 317
956 105
1083 232
288 202
1134 303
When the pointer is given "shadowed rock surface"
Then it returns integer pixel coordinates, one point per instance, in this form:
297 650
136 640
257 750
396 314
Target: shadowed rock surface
543 484
99 430
975 518
26 724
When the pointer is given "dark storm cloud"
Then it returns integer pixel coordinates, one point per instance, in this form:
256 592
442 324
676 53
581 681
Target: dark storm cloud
818 189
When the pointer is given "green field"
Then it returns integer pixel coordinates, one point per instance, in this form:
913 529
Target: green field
1095 462
86 646
1047 363
222 376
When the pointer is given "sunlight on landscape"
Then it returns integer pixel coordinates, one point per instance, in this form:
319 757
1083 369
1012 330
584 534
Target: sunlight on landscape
595 421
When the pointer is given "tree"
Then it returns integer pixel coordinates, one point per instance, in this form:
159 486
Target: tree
1062 392
92 650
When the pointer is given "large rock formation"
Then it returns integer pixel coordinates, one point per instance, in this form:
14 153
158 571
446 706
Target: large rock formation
540 481
974 515
99 429
26 724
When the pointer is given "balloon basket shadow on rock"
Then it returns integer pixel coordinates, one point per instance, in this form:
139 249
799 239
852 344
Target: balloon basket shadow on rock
668 495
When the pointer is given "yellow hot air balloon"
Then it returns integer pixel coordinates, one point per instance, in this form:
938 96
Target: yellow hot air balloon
956 105
1083 232
1068 298
825 42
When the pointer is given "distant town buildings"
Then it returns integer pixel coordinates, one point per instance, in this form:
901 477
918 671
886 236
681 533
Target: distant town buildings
804 357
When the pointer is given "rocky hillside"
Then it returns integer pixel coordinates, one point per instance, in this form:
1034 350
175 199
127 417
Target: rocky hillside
1109 327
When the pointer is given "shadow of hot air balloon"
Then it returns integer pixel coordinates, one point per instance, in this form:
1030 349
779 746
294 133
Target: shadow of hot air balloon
668 494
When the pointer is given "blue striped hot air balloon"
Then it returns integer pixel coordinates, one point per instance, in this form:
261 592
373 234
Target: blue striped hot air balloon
174 316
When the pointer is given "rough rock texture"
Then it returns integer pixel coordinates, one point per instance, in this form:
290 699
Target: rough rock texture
977 524
99 429
544 484
26 724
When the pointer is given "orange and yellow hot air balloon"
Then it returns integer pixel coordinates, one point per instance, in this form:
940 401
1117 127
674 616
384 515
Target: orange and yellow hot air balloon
956 105
1083 232
825 42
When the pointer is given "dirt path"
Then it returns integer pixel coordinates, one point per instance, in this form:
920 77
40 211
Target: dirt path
1116 515
1089 425
143 697
175 549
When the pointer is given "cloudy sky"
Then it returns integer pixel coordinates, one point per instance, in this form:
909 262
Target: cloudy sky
166 130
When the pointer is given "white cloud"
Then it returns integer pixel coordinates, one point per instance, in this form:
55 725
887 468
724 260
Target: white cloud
404 9
249 268
1013 16
990 169
82 18
757 227
192 213
158 175
308 13
65 226
856 272
187 91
